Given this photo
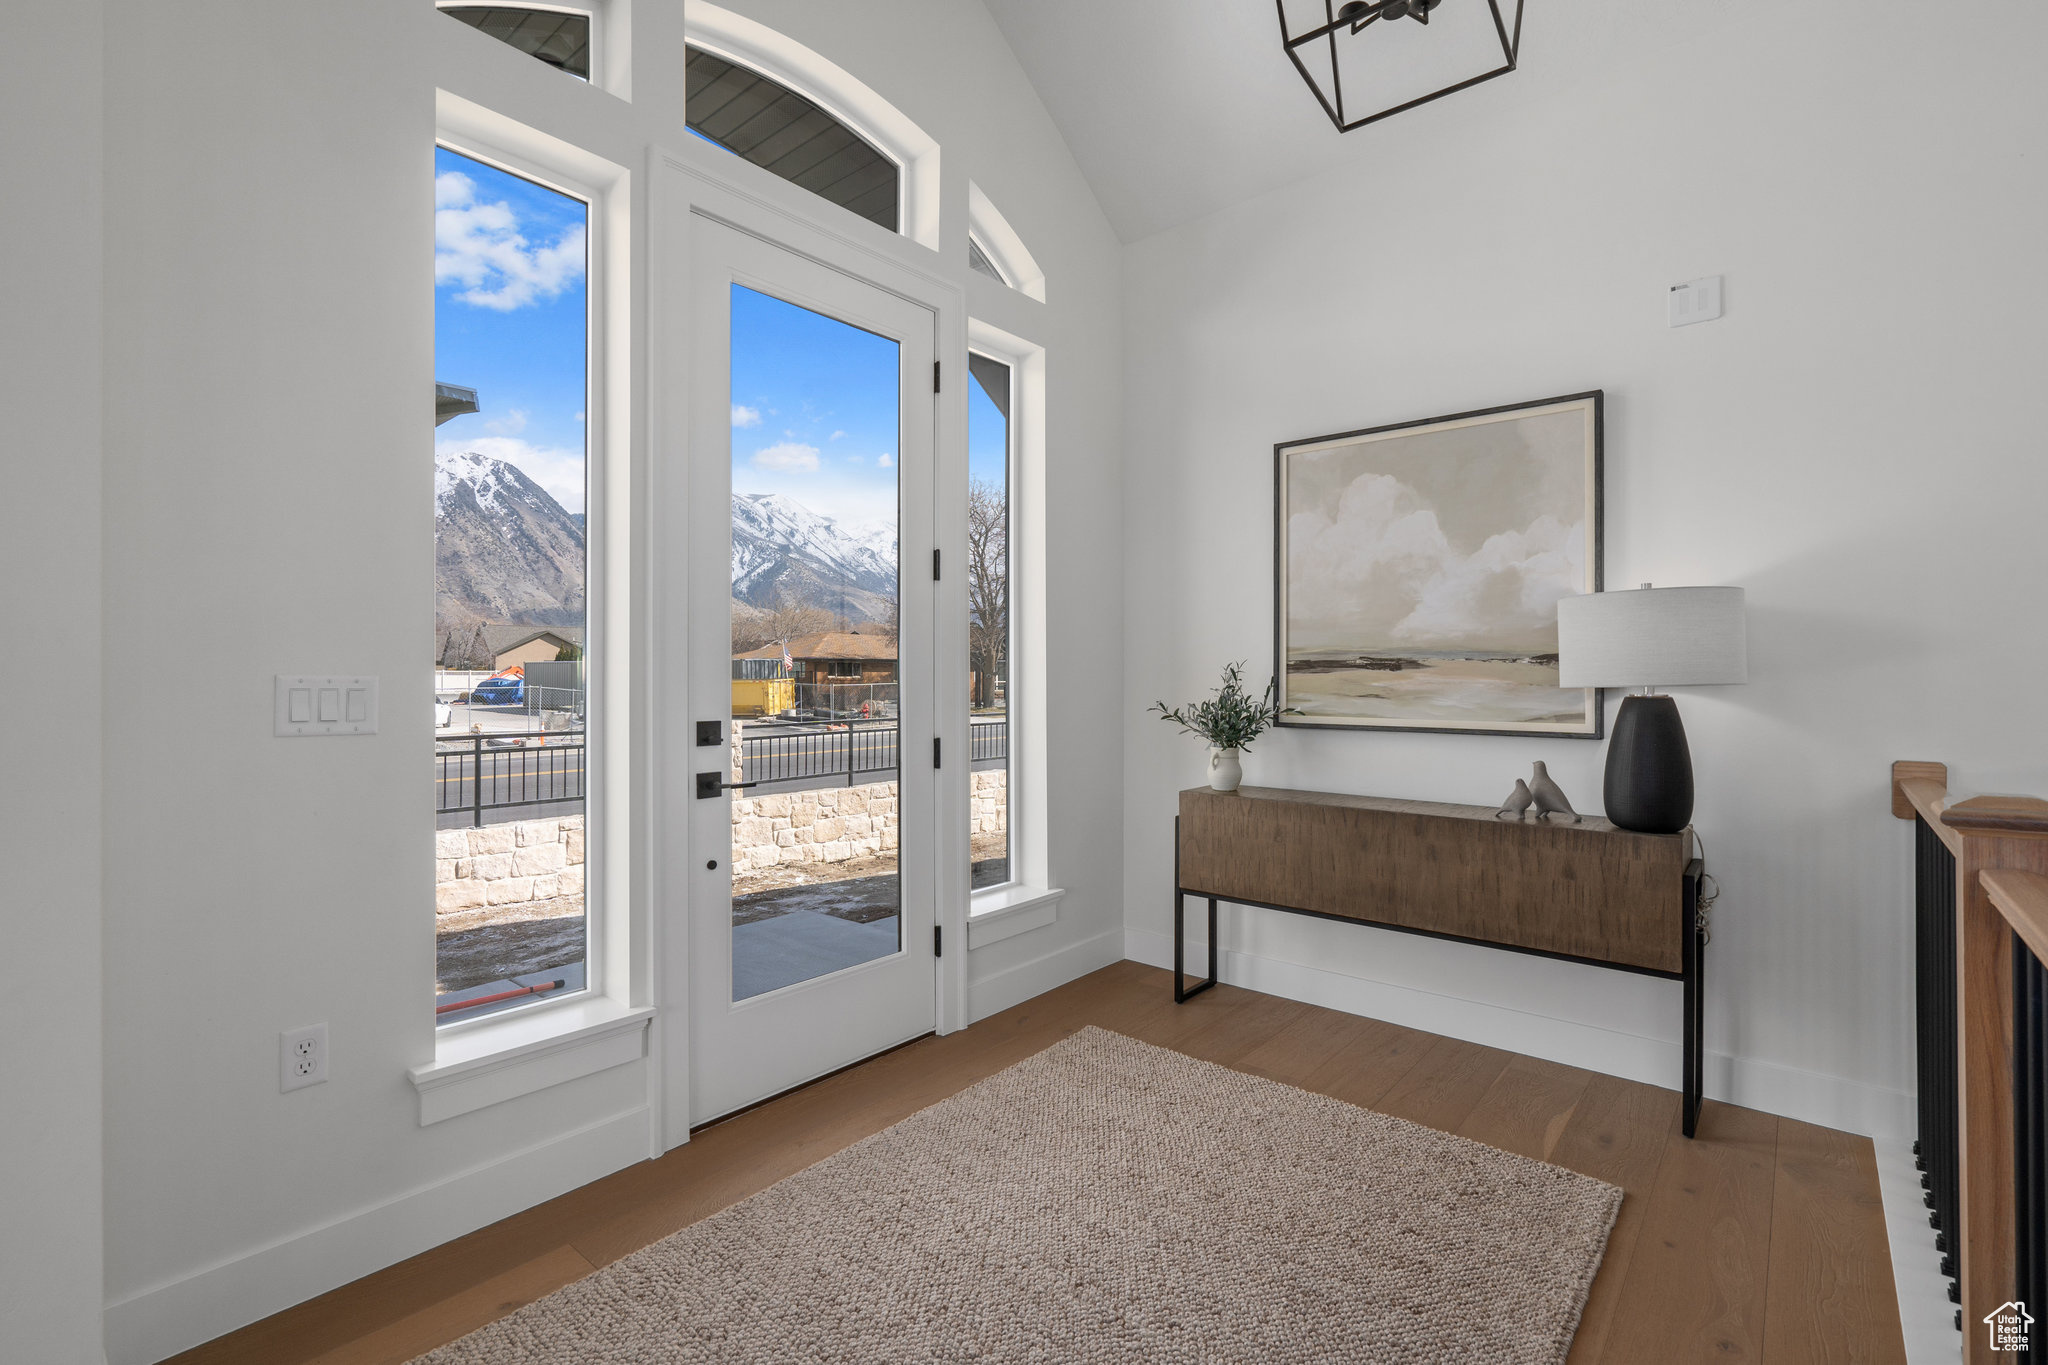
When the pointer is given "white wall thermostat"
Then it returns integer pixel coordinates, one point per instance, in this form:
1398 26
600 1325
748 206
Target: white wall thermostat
1696 301
326 704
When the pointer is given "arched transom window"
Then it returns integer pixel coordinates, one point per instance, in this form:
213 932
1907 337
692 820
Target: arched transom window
767 123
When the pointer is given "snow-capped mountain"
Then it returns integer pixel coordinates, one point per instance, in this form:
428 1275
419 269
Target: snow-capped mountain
506 552
780 548
504 549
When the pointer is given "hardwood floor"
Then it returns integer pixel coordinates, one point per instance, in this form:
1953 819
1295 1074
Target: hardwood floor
1761 1240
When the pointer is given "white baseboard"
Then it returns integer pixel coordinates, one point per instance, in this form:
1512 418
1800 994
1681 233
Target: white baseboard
998 991
174 1317
1925 1314
1815 1098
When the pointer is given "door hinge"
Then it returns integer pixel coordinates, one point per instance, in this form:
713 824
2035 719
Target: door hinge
938 941
937 387
935 752
935 566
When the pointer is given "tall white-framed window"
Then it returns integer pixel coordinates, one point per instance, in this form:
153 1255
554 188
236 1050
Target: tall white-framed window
536 936
512 602
1011 873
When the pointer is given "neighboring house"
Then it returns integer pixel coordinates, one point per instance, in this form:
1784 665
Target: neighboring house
498 647
836 658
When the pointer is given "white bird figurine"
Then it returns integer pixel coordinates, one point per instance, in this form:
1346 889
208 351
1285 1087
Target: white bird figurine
1550 798
1518 801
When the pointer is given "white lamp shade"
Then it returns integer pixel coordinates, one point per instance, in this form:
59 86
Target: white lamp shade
1652 637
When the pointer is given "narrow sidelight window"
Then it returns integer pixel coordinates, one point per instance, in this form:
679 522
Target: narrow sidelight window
988 618
511 352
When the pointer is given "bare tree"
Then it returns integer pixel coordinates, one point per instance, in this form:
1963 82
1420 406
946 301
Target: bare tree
988 585
795 612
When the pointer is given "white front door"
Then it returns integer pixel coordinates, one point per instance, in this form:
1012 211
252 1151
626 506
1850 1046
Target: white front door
811 905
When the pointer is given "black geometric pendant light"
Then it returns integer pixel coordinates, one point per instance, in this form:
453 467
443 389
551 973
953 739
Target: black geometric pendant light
1384 56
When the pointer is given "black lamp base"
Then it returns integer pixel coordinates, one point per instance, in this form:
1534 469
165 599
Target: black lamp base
1649 768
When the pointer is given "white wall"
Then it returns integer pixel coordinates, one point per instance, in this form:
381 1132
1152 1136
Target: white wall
1858 444
50 160
267 509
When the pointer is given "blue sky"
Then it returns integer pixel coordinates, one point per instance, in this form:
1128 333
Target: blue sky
814 410
813 399
510 296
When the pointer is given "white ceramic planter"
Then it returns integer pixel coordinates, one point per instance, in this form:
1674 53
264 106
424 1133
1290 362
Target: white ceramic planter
1225 771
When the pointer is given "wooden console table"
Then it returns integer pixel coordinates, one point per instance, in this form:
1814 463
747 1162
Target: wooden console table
1586 892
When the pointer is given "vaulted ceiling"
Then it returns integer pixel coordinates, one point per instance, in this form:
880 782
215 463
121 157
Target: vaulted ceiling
1177 108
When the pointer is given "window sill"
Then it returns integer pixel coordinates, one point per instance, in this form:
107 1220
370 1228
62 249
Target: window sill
501 1059
1007 911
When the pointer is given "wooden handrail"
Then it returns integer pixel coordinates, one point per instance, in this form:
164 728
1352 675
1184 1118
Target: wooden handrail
2024 816
2000 845
2022 897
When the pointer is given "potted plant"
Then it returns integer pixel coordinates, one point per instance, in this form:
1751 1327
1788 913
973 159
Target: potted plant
1230 721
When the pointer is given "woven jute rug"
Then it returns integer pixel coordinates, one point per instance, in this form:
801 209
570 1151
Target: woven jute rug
1107 1201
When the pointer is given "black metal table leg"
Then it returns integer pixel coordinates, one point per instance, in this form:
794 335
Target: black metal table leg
1692 954
1180 896
1181 990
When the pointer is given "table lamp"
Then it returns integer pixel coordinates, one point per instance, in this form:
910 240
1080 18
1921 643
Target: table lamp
1651 638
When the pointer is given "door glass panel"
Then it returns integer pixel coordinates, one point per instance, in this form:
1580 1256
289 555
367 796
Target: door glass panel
988 618
815 428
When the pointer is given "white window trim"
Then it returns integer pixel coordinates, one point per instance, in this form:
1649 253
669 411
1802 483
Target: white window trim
527 1051
1003 247
611 36
1029 899
515 1052
1009 910
744 42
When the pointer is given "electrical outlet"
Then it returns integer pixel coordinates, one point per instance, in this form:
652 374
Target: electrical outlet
302 1057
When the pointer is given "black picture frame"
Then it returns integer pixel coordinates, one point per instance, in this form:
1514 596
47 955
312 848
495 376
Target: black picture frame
1593 726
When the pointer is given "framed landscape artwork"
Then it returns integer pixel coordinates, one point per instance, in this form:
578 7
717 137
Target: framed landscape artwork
1418 569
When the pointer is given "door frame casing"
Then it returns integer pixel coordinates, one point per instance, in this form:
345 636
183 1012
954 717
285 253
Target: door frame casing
686 185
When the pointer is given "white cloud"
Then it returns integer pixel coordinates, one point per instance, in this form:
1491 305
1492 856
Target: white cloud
744 416
1382 544
790 457
885 460
853 459
453 190
480 246
554 468
511 424
837 436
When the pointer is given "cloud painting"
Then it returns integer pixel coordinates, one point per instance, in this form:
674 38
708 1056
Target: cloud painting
1422 566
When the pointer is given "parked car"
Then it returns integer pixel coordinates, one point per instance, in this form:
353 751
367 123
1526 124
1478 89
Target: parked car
503 690
444 715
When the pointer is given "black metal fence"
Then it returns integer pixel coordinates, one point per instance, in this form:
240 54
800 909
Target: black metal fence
2030 1132
1938 1152
480 773
851 753
490 772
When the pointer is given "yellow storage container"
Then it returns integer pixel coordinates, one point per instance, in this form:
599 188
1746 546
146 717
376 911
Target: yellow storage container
763 696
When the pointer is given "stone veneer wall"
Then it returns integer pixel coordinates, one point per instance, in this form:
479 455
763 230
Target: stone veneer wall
512 864
833 824
536 860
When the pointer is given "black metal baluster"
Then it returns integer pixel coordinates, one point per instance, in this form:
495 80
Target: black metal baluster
2030 1131
1934 869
